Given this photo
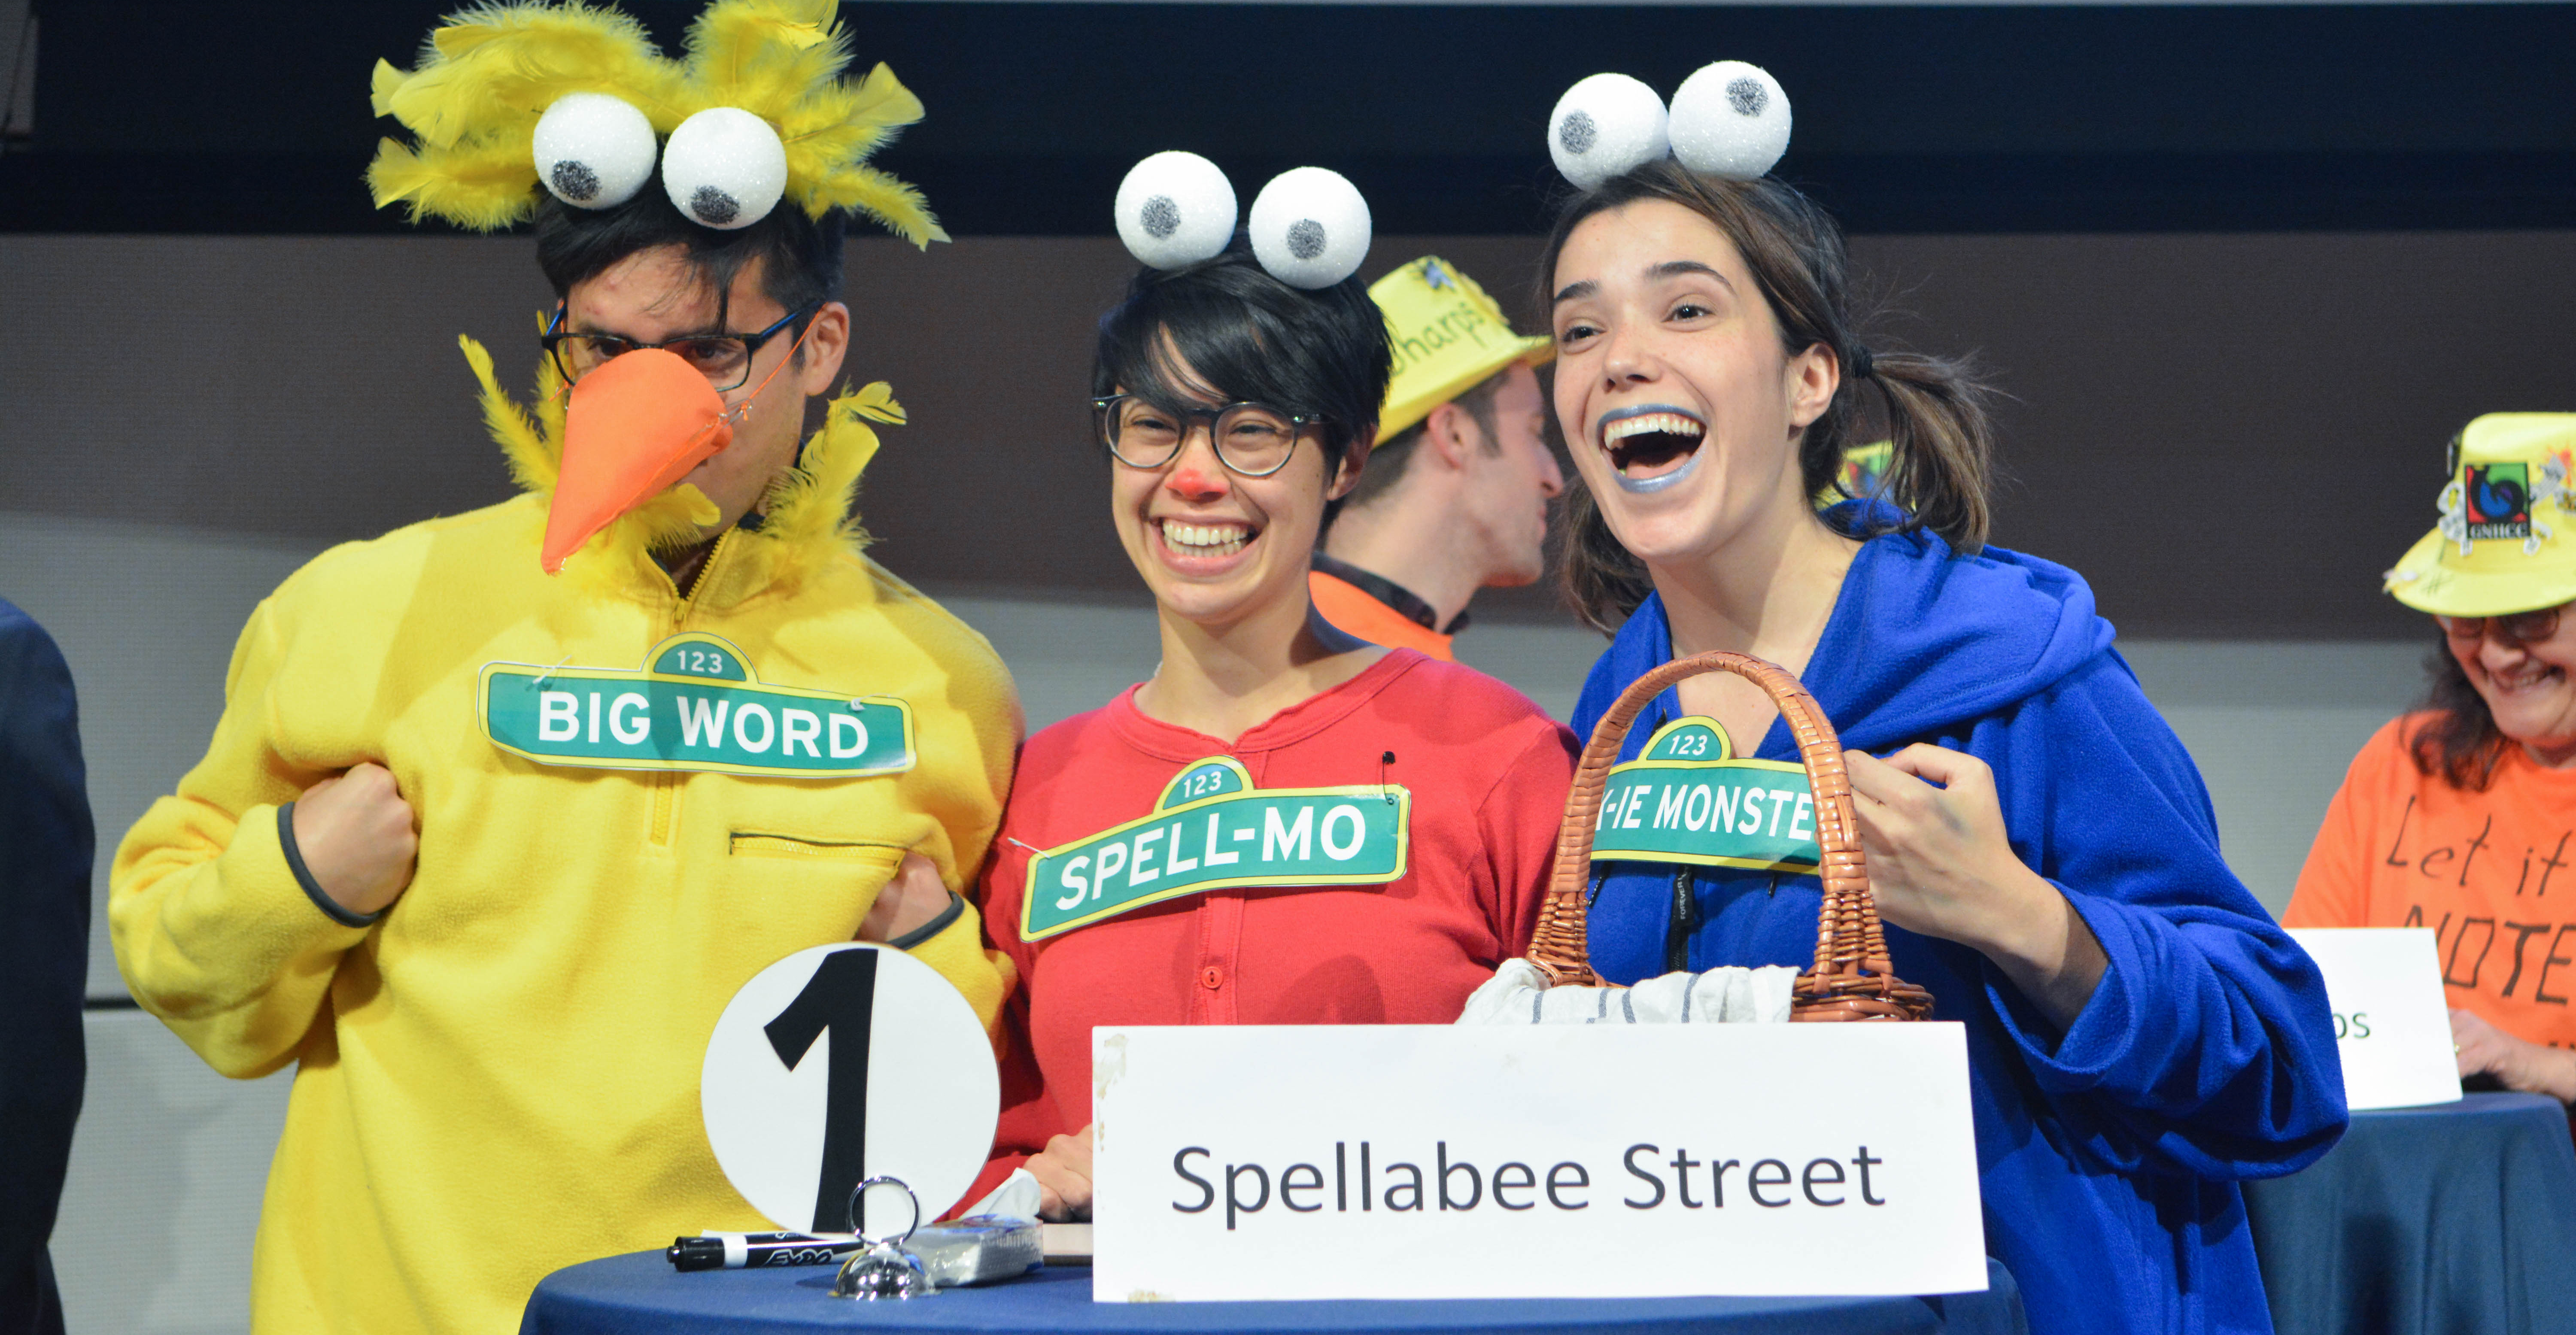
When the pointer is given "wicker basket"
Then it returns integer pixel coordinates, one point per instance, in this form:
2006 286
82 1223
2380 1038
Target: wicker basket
1852 978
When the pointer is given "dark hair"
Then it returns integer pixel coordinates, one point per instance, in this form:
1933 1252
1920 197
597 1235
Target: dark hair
1247 336
1932 408
801 255
2461 743
1388 462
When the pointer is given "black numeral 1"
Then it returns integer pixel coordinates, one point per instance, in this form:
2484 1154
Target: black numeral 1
840 997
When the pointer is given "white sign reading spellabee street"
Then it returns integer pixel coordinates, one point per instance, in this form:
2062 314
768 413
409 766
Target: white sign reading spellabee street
2392 1022
1421 1161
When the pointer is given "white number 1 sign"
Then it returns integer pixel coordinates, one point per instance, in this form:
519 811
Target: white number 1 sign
842 1063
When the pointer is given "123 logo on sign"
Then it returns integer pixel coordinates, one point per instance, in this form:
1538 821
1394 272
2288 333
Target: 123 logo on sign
695 705
1686 798
1211 829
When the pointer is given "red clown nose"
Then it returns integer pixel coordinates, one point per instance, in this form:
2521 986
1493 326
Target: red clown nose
634 428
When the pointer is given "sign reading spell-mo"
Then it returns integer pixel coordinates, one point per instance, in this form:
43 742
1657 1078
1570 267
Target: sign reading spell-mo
1211 829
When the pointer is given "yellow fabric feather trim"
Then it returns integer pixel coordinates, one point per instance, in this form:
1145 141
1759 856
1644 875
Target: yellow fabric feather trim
811 511
497 67
473 104
808 519
535 459
781 60
490 72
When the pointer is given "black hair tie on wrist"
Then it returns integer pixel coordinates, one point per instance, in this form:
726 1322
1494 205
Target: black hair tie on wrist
1862 364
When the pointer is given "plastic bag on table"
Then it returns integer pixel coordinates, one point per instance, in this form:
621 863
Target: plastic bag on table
1518 994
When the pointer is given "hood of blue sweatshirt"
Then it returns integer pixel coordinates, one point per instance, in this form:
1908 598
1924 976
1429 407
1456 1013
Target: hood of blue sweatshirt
1922 641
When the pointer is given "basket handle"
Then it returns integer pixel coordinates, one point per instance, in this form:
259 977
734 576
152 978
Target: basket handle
1852 976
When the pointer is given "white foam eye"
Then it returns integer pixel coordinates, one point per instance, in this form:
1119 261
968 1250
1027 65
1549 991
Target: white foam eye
1175 208
725 168
593 151
1603 126
1730 119
1310 228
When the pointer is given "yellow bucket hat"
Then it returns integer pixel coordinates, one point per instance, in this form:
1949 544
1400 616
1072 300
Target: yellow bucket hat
1449 337
2506 542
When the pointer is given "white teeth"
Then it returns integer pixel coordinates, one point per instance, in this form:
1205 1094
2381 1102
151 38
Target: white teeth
1205 539
1668 423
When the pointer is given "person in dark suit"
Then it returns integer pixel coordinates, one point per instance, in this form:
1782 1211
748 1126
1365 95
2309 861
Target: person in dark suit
45 848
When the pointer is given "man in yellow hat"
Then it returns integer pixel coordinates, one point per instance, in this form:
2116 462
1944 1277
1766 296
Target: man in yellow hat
1455 495
2457 817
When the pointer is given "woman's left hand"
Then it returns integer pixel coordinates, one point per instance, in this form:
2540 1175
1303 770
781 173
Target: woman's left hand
2517 1064
1941 865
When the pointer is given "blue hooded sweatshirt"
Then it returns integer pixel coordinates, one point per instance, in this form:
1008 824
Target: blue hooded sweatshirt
2108 1155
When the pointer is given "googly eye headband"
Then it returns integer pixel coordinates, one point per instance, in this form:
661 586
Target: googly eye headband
574 99
1727 119
1310 228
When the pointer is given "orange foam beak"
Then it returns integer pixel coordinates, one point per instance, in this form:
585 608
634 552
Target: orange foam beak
634 428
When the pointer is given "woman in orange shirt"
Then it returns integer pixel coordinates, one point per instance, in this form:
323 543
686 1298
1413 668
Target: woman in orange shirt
2461 817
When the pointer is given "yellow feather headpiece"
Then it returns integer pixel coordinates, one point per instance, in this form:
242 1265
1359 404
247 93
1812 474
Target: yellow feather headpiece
492 72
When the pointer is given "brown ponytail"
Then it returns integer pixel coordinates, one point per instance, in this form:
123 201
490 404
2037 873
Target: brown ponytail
1933 409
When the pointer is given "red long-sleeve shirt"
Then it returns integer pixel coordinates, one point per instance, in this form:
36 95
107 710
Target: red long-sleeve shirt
1488 773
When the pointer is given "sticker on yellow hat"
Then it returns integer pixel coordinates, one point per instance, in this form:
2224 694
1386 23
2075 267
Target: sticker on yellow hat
2503 542
1449 337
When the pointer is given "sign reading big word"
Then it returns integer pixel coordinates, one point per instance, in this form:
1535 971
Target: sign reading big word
695 705
2392 1021
1686 798
1212 829
1419 1161
843 1063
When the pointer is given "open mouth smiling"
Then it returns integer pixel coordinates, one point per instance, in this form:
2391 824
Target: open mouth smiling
2526 676
1651 445
1220 538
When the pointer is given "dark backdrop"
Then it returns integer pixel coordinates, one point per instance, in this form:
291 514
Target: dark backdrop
2231 435
251 115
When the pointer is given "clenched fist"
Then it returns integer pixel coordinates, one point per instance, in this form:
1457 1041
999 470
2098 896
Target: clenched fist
1063 1172
358 837
911 898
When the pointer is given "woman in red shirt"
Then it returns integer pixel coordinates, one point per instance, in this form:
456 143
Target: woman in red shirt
1284 825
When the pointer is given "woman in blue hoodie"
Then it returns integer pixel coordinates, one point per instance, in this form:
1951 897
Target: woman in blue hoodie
2140 1035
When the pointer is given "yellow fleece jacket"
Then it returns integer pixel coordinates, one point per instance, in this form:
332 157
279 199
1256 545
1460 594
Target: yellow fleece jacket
499 1076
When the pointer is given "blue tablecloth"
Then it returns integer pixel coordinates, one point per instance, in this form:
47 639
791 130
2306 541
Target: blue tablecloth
2456 1219
641 1295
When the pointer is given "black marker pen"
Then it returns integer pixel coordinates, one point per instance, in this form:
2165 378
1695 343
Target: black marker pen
750 1251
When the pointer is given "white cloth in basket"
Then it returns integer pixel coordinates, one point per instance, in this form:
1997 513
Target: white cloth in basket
1518 994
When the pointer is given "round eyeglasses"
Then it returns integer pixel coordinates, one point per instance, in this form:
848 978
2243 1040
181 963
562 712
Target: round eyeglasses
2517 628
724 359
1251 439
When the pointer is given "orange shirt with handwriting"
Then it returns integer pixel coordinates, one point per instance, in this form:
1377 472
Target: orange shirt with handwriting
2493 874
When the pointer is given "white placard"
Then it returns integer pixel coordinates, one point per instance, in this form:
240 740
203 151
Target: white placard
781 1086
1427 1161
2392 1021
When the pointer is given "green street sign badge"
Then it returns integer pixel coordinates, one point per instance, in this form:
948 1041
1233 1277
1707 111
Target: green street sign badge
1686 798
1212 829
695 705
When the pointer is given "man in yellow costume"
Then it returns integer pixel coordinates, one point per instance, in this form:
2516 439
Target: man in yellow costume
504 807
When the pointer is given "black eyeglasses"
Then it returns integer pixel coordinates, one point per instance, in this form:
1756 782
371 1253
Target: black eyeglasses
2516 628
724 359
1252 439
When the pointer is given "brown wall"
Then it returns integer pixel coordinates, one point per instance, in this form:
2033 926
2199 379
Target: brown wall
2230 435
